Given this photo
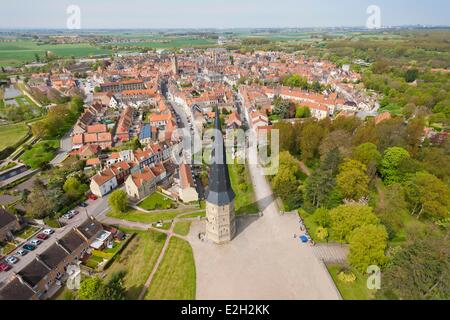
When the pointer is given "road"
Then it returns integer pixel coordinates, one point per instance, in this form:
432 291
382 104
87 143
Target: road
96 209
64 149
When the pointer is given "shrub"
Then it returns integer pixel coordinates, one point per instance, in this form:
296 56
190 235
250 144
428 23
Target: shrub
346 276
322 233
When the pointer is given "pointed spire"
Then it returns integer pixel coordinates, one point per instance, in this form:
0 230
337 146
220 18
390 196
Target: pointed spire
220 191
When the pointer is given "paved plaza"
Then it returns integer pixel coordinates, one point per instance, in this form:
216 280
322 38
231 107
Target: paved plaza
264 261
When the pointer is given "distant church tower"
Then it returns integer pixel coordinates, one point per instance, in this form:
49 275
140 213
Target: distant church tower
174 65
220 215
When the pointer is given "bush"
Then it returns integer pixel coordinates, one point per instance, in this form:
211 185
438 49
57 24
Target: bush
322 217
346 276
322 233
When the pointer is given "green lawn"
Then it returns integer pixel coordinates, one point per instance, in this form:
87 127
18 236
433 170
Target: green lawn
12 134
27 232
182 228
7 248
139 216
138 260
175 278
40 153
156 201
194 215
245 199
351 291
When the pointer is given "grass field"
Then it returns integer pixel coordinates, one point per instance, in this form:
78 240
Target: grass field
11 134
182 228
23 51
40 153
158 42
351 291
245 199
175 278
139 216
138 260
156 201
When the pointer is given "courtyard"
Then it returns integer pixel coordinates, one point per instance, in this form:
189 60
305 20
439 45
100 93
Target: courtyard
264 261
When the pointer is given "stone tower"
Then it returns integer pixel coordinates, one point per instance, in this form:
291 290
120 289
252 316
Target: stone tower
220 215
174 65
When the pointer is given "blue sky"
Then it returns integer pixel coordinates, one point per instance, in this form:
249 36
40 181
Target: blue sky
220 13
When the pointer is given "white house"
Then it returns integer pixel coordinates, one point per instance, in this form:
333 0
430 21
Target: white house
103 183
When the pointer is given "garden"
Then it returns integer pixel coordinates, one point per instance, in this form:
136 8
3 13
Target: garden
157 201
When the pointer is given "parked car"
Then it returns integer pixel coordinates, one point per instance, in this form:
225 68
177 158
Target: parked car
22 252
83 204
5 267
42 236
29 247
12 260
35 242
67 216
74 212
92 197
48 231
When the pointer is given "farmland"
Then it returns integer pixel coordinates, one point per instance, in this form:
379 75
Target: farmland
11 134
23 51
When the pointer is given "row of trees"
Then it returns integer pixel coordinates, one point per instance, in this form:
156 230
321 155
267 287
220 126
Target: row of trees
369 181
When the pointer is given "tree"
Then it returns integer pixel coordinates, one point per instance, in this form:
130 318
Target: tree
285 183
389 167
420 270
367 246
302 112
39 205
428 196
437 162
319 187
114 289
367 153
352 180
337 139
322 233
414 134
311 136
74 188
392 208
118 200
322 217
347 218
90 289
411 75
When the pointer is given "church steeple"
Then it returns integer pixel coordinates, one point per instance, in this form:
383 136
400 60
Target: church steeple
220 215
220 191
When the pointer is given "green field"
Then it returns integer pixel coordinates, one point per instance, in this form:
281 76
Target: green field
175 278
138 260
158 42
182 228
139 216
245 199
11 134
156 201
23 51
40 153
351 291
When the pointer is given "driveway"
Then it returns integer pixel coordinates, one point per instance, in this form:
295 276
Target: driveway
264 261
95 209
64 149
